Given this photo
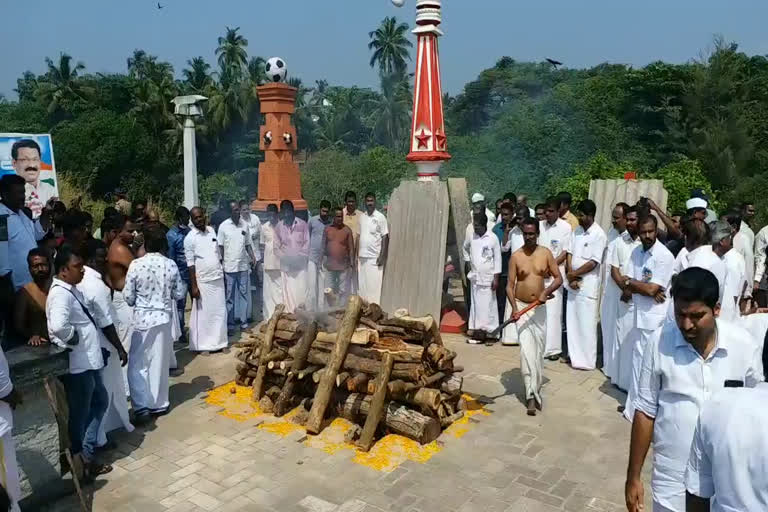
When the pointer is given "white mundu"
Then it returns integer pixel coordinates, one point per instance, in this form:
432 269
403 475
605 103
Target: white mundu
609 308
485 262
625 313
729 454
581 309
557 238
9 473
651 266
273 281
208 317
373 229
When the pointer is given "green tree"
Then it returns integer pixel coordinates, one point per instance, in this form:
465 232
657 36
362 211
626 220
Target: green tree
680 177
197 75
232 53
391 111
61 85
390 45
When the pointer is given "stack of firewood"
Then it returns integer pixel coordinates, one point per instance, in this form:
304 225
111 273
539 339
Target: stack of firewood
383 373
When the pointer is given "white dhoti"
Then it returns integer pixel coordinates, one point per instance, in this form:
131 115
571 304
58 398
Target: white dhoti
581 322
625 324
175 335
148 369
294 284
609 310
272 289
554 306
315 286
124 327
369 278
531 328
509 336
639 339
208 318
9 472
116 415
483 313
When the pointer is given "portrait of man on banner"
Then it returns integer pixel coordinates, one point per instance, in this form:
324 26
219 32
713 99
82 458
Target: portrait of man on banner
31 157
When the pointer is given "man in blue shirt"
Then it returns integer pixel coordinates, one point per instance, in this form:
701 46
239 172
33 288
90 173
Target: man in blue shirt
502 230
316 273
175 237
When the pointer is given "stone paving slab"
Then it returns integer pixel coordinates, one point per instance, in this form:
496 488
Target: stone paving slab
570 457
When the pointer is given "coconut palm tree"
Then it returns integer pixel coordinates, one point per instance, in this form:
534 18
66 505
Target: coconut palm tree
256 71
391 110
230 102
390 44
61 84
137 63
197 75
232 53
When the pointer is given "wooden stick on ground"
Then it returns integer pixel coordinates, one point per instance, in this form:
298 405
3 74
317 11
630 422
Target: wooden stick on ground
258 381
327 383
377 404
283 402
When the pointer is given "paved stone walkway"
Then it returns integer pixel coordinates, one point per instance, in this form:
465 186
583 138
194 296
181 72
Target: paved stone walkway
571 457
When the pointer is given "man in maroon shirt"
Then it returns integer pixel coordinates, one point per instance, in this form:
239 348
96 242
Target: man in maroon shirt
339 255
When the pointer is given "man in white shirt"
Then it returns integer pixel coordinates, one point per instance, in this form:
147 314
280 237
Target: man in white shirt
254 225
74 325
741 245
235 246
609 305
99 296
729 454
583 275
9 400
760 283
152 285
692 359
485 267
372 250
620 264
648 282
272 278
747 216
735 280
208 318
698 253
556 236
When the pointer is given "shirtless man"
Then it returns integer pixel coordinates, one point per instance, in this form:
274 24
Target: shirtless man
529 266
119 258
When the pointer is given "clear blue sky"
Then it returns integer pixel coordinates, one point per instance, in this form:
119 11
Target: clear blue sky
327 39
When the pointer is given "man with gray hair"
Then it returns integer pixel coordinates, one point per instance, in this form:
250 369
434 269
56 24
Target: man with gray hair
735 272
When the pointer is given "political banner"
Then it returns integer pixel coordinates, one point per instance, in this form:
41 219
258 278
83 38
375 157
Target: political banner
31 157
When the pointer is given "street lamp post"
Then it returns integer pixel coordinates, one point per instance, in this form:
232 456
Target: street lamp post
189 108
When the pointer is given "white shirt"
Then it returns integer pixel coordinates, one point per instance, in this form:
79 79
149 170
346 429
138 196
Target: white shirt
742 245
152 284
651 266
6 386
735 278
675 381
202 252
620 252
702 257
23 234
35 197
255 226
271 261
234 238
555 237
761 242
744 228
484 258
587 246
373 229
515 240
469 234
65 309
99 297
729 454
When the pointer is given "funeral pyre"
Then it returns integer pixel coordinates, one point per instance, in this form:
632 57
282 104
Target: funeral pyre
386 374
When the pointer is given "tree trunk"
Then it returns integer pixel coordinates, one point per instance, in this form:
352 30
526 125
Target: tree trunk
358 383
325 387
258 381
283 403
376 410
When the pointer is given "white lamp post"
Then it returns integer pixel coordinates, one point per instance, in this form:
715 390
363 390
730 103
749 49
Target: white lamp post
189 107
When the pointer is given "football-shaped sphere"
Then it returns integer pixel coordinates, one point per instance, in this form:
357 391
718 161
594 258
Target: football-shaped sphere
276 69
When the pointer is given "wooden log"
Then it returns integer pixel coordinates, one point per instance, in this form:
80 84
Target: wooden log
398 418
275 355
372 311
287 335
452 385
376 410
426 398
316 376
448 420
266 405
286 364
361 336
433 379
405 371
283 403
325 387
258 381
374 351
358 383
308 371
341 379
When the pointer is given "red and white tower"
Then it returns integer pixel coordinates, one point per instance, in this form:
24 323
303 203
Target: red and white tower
428 149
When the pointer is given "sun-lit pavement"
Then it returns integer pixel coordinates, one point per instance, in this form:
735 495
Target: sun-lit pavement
205 456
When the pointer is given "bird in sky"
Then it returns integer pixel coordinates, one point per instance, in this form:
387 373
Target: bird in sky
554 63
159 6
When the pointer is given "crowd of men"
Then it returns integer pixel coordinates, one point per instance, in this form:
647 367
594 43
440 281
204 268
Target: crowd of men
670 307
115 299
